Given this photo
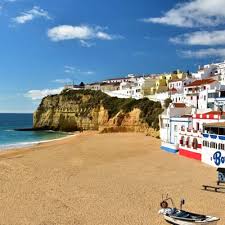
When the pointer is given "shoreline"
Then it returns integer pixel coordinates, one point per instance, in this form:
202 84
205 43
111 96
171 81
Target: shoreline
21 145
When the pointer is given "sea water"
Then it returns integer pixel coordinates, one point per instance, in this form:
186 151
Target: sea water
9 138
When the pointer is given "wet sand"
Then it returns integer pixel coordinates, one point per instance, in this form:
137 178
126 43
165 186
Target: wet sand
100 179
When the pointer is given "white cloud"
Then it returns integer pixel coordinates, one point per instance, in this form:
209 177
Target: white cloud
66 32
74 70
194 13
35 12
81 33
39 94
88 72
204 53
201 38
104 36
86 44
63 81
69 69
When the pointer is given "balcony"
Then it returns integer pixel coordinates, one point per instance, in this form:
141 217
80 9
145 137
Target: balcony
191 132
213 137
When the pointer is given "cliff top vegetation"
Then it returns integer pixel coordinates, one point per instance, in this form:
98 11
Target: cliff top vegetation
150 110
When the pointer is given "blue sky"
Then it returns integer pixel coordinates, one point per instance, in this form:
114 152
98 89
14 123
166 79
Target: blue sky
46 43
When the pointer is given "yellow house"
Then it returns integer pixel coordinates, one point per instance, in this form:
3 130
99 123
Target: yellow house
162 81
149 86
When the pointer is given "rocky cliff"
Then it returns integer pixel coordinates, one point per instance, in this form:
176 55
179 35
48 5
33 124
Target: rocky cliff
93 110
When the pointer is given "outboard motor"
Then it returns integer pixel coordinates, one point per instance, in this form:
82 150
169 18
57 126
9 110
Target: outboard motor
182 202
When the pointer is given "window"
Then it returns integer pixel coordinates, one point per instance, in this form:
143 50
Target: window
213 95
175 128
204 97
195 143
222 147
210 105
205 143
182 141
188 142
213 145
222 94
197 126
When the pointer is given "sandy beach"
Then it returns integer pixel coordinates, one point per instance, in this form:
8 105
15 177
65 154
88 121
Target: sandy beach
100 179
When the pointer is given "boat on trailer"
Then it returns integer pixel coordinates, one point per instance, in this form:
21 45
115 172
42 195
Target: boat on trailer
180 217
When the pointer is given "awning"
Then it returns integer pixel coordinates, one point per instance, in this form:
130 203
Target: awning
215 125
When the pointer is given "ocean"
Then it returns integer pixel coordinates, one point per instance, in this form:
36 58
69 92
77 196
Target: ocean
9 138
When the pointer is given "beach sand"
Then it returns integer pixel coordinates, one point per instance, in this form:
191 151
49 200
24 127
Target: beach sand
101 179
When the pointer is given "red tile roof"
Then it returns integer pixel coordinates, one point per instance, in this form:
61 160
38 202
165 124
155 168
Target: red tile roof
179 105
173 89
201 82
175 80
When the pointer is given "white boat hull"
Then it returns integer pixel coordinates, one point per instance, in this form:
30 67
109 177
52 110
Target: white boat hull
208 220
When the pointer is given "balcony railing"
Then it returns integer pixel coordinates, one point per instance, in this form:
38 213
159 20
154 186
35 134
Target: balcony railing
191 132
214 136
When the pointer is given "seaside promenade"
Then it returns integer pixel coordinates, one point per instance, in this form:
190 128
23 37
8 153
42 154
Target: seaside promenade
100 179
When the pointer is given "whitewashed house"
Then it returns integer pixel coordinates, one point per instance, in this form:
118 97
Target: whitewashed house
159 97
129 89
206 71
176 89
175 117
196 92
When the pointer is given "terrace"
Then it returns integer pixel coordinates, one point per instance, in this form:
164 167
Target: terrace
214 132
190 132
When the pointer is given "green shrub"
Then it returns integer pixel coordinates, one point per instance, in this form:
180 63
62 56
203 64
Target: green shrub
150 110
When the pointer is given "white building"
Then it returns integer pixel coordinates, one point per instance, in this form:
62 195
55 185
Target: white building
116 80
159 97
206 71
213 149
179 84
129 77
191 138
211 70
175 117
129 89
196 92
